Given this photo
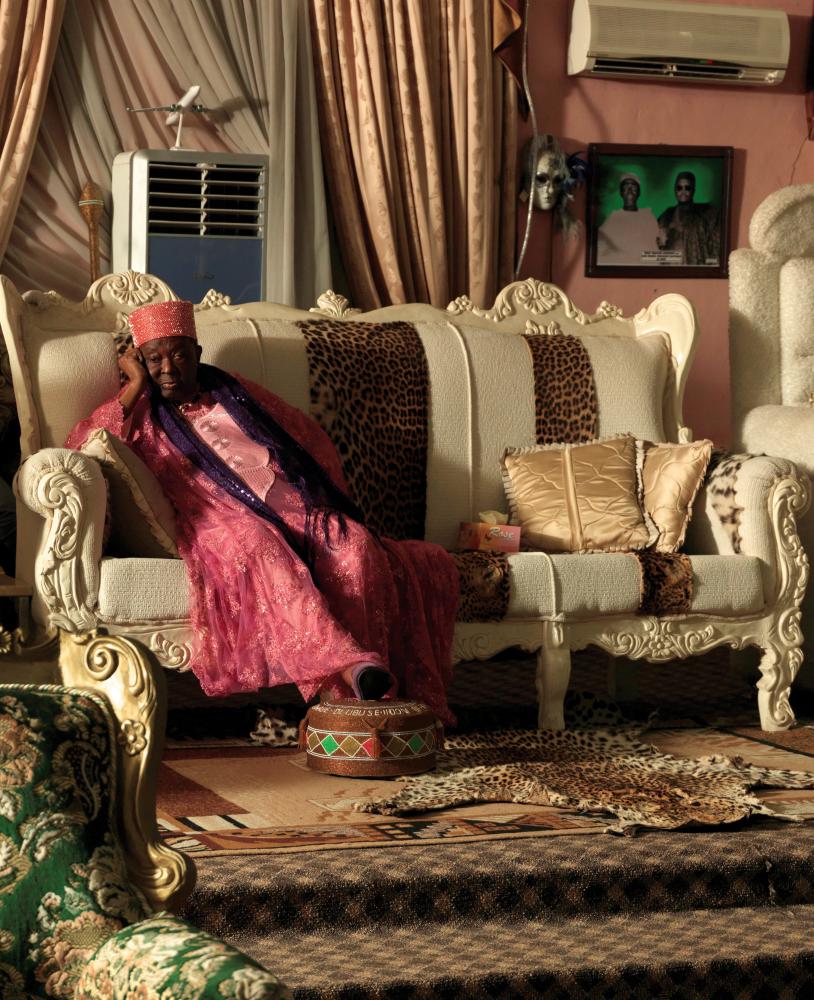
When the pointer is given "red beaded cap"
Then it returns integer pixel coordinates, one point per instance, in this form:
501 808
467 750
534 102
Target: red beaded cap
162 319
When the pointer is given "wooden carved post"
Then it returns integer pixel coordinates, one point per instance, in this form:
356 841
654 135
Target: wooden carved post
91 205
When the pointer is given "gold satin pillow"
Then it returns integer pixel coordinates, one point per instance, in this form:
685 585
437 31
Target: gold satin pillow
578 497
671 476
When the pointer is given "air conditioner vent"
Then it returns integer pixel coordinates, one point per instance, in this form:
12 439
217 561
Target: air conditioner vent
205 199
651 67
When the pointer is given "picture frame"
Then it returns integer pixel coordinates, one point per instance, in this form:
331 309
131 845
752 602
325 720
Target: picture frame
677 222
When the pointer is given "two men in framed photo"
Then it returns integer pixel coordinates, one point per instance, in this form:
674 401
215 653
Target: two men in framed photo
653 208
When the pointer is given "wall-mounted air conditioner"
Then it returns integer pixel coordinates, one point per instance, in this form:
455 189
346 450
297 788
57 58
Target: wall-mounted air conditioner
197 220
670 40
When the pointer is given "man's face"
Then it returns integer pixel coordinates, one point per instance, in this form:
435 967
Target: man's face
685 189
630 193
172 364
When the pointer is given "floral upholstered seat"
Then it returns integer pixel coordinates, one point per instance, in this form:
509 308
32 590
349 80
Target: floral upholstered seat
72 924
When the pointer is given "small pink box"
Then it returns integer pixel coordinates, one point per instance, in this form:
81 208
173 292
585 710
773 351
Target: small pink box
489 537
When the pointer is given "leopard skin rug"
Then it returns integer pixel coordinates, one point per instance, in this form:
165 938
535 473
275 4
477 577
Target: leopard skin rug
607 770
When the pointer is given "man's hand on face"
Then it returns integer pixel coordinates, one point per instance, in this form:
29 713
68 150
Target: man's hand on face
132 364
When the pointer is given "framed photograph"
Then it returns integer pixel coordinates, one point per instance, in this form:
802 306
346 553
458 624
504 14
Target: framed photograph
653 209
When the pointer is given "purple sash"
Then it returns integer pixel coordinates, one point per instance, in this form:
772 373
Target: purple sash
320 495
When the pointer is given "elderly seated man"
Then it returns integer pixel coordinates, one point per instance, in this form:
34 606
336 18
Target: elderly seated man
286 582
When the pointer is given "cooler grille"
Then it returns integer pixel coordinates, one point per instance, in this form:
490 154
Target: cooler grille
205 199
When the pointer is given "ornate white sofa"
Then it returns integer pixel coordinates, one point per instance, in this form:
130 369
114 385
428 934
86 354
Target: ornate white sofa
63 360
771 342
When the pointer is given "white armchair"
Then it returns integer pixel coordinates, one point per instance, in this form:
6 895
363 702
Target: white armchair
771 347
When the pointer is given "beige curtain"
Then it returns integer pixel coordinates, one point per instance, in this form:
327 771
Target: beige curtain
254 64
419 141
28 38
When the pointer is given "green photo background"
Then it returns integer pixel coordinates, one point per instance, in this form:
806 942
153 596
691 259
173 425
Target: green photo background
657 175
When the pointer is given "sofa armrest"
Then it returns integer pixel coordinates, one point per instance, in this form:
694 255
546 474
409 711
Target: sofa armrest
164 957
750 504
68 490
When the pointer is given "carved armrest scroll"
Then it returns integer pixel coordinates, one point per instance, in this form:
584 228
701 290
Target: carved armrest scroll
68 490
774 490
758 500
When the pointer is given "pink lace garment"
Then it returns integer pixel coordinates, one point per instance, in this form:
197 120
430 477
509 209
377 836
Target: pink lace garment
259 619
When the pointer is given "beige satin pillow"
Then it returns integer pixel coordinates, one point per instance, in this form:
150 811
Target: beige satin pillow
578 497
671 477
143 520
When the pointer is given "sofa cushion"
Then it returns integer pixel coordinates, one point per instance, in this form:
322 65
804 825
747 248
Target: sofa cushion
493 370
133 590
143 521
541 585
671 477
72 375
577 497
474 366
584 586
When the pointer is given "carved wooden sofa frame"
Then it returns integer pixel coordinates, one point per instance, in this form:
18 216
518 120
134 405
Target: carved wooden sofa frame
62 502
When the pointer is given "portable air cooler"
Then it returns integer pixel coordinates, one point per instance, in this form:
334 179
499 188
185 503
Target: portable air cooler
196 220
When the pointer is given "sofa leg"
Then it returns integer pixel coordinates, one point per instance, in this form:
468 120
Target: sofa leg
553 676
135 688
778 667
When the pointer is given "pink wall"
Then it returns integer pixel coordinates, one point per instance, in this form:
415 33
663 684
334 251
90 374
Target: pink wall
766 126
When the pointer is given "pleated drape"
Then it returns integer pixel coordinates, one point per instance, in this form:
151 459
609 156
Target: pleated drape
255 67
419 132
29 30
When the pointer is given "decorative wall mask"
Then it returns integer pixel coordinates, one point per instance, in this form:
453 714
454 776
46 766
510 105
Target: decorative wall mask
552 177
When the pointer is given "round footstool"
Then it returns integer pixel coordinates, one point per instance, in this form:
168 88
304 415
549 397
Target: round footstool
371 739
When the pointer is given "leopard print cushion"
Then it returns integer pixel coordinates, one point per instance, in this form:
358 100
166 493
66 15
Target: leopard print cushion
666 583
484 585
369 390
722 477
564 391
599 771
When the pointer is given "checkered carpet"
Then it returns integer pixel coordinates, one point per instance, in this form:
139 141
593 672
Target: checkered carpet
727 913
725 954
662 914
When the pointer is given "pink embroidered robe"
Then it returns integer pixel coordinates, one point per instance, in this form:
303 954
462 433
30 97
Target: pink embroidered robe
259 619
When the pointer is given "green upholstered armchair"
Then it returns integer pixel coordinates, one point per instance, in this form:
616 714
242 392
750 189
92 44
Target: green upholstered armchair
73 925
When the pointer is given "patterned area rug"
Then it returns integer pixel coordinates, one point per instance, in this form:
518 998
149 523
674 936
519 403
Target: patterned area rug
605 771
223 801
227 798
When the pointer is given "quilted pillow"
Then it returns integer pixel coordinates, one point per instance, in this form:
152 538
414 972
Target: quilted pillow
578 497
671 477
143 522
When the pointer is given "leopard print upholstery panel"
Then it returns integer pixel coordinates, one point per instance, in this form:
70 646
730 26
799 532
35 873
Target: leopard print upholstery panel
369 390
564 391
